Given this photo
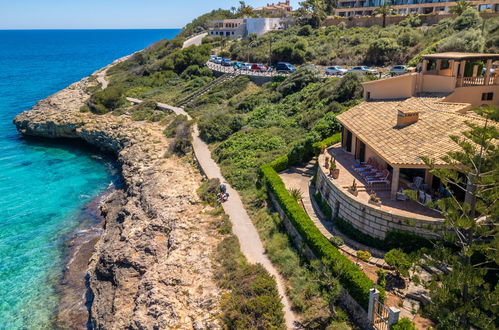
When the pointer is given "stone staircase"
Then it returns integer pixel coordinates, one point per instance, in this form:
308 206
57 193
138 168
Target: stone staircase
205 89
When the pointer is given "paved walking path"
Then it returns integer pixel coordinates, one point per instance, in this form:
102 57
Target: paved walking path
196 40
299 178
242 226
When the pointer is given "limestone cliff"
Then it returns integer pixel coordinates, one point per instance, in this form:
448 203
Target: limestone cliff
151 267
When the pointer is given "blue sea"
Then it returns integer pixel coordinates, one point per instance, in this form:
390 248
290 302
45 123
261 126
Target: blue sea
45 185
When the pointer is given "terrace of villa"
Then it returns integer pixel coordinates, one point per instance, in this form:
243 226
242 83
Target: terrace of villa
405 208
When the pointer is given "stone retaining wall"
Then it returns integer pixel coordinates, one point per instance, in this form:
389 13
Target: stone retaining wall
368 21
256 79
358 314
370 219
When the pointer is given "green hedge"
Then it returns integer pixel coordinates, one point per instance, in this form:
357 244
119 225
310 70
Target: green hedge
350 276
323 205
326 142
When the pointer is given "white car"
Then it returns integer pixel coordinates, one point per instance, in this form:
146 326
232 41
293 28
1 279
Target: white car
398 70
363 70
336 71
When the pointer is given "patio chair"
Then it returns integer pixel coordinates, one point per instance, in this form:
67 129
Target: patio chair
417 183
421 196
363 164
382 179
428 198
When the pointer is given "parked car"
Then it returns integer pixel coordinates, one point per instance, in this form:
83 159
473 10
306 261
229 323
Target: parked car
398 70
238 65
363 70
217 60
247 66
258 67
335 71
213 58
284 67
226 62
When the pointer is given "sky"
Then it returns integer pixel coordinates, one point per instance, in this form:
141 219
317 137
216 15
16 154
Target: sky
109 14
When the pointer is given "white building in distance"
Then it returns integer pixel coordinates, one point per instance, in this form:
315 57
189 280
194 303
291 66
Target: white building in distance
243 27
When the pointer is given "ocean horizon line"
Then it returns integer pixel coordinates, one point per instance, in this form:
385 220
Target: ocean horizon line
88 29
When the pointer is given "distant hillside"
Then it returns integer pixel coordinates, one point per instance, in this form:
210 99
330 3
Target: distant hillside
395 44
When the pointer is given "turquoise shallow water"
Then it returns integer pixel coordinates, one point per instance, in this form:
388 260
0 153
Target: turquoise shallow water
44 186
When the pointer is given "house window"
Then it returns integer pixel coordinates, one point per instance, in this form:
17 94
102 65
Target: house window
487 96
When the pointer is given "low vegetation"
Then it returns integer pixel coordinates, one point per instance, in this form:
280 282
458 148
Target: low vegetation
252 300
394 44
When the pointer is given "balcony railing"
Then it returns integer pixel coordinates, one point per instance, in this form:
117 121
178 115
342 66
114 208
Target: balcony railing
475 81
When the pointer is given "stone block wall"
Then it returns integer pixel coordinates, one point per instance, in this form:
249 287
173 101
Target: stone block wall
369 219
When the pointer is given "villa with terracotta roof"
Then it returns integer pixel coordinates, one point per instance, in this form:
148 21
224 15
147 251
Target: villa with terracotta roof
275 9
403 119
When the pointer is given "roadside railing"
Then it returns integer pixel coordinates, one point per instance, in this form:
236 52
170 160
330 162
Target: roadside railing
248 72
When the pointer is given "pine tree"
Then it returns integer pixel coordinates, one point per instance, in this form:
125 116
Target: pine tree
468 294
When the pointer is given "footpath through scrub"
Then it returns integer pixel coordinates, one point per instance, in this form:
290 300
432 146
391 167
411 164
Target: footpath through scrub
243 228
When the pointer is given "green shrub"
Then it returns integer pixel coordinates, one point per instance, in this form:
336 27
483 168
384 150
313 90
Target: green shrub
469 19
305 31
336 241
106 100
180 129
382 51
219 127
170 130
470 41
403 324
146 111
409 38
364 255
350 87
350 276
397 259
381 277
298 80
208 191
411 20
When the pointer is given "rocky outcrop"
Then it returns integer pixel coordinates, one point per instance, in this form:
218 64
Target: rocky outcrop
151 267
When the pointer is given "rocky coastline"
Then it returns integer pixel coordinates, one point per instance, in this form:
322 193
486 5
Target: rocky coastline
151 266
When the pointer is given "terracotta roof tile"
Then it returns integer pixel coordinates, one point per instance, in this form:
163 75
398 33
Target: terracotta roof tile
375 123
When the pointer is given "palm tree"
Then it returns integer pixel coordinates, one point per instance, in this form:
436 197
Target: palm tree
384 10
296 194
460 7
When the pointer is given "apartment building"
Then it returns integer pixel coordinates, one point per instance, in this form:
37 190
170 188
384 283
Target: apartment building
350 8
